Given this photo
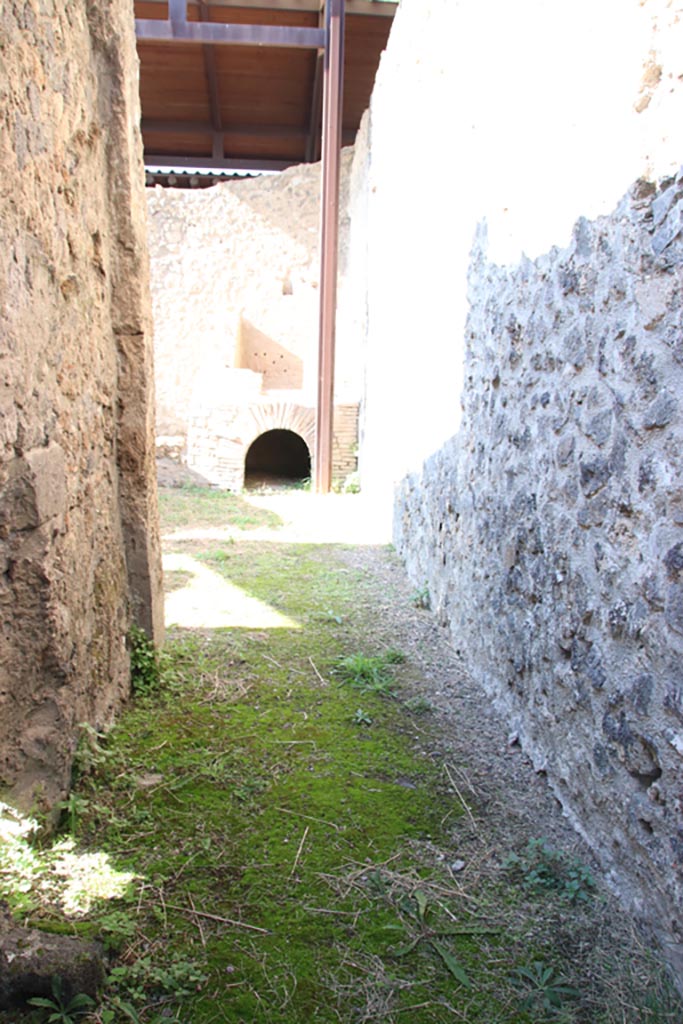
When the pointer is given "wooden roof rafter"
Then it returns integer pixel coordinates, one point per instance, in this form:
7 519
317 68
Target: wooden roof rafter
227 33
251 65
209 56
371 8
316 115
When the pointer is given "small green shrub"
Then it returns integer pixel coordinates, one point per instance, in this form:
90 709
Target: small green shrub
117 928
145 669
90 753
361 717
542 989
116 1009
351 484
420 597
178 978
542 868
418 705
370 674
72 808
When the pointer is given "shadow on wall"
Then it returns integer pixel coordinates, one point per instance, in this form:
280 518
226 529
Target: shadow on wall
279 454
260 353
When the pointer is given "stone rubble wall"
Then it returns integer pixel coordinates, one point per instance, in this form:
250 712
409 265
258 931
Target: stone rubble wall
550 532
522 315
235 274
79 552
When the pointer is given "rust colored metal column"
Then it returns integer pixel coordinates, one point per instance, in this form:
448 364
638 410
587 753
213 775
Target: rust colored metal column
329 231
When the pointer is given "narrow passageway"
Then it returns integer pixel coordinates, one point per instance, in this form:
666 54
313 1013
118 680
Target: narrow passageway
319 815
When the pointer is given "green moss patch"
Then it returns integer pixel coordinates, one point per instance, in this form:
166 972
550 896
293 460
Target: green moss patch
202 506
285 829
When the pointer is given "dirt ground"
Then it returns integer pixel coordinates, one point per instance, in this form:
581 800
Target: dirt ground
508 802
500 779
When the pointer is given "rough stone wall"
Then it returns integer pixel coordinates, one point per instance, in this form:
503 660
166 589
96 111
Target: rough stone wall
551 531
548 525
78 535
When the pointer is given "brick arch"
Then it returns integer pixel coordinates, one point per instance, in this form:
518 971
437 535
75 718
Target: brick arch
220 436
259 419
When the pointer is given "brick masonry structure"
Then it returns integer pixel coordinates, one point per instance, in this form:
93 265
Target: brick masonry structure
235 286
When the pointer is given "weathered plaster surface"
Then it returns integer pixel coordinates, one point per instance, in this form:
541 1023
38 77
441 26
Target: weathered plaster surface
78 535
523 333
525 115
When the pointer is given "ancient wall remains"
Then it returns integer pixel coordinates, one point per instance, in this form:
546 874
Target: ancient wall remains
528 137
235 273
550 532
78 536
529 319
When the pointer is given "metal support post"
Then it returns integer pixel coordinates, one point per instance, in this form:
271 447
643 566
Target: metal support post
333 76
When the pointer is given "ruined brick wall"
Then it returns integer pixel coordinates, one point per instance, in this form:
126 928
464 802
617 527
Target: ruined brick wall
78 535
544 294
235 274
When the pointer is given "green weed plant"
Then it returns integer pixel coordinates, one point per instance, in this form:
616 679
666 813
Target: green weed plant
544 991
145 669
370 673
543 869
60 1009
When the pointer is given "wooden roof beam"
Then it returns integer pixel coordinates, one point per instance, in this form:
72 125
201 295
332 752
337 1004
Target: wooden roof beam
220 34
372 8
316 108
151 126
209 55
206 128
217 164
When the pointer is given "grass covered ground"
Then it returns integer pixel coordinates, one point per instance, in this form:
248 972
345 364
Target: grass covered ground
274 830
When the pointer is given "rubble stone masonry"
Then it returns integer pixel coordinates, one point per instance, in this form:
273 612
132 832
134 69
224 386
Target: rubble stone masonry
551 530
523 318
79 554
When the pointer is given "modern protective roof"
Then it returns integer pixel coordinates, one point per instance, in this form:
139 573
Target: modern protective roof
255 106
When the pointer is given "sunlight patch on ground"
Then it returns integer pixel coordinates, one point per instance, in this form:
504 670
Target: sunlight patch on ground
13 824
306 519
88 878
54 874
210 602
328 518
